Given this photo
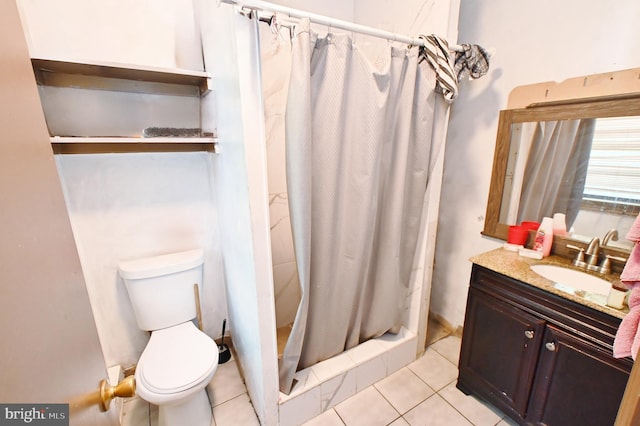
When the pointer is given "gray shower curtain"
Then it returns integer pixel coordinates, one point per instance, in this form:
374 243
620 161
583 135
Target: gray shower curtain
358 155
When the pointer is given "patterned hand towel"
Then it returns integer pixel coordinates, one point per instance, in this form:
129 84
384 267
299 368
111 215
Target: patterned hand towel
473 61
436 52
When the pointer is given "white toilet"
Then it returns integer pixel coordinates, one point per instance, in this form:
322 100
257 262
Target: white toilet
180 360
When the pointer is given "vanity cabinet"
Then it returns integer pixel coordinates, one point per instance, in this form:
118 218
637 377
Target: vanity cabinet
538 357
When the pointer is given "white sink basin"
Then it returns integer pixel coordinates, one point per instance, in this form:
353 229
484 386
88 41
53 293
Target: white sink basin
576 280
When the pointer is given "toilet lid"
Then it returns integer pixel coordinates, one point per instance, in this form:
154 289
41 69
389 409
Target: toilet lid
176 358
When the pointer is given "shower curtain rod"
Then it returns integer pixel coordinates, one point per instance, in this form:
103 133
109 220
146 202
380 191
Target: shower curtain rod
330 22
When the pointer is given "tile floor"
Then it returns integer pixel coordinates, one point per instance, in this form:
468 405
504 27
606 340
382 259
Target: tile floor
423 393
228 396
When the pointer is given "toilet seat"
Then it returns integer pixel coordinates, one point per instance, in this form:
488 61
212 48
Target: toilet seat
177 358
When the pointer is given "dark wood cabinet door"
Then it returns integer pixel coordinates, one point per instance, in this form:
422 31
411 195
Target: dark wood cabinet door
577 382
500 348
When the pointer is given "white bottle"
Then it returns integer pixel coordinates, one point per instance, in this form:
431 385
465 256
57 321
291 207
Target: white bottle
544 237
559 224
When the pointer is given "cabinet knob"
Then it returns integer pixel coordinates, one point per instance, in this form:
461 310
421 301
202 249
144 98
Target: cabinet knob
551 346
529 334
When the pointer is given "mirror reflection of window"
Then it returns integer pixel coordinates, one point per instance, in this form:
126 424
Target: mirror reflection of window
613 176
612 189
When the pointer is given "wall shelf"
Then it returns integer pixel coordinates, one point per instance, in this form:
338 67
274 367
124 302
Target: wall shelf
104 145
127 78
47 70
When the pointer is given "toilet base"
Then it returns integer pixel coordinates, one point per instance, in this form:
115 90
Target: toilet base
194 411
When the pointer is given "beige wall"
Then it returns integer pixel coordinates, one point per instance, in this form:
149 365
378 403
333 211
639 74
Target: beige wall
50 349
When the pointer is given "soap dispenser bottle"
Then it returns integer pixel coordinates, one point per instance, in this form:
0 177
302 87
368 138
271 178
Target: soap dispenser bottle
544 237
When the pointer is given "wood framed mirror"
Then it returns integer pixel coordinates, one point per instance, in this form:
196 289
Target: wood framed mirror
533 124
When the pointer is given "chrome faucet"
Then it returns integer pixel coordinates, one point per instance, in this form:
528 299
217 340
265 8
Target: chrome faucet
593 250
612 234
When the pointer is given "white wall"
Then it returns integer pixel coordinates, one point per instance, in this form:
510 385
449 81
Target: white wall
411 17
241 178
127 206
124 206
535 42
156 33
334 9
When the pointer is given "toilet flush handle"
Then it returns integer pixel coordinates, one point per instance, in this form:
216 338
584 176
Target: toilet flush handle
125 389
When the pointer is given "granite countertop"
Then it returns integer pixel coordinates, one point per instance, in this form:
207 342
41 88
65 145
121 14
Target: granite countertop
515 266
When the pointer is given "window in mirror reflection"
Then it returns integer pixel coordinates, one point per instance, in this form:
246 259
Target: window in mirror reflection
588 169
613 175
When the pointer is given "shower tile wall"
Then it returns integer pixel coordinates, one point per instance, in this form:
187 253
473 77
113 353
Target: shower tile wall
285 277
326 384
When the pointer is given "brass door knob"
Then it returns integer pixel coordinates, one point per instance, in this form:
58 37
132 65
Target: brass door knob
125 389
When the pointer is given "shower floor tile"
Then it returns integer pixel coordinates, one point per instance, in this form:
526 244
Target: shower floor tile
407 397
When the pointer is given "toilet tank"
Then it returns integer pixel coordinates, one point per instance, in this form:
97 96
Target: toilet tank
161 288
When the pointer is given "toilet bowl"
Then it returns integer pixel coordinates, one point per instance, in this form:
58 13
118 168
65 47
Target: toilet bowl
175 366
179 360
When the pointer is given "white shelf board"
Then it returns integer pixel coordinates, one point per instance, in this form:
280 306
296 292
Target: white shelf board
99 68
104 145
82 139
114 70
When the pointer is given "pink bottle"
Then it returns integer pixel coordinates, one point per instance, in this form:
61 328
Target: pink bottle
544 237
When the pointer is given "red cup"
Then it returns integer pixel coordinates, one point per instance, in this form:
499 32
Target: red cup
517 235
531 225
